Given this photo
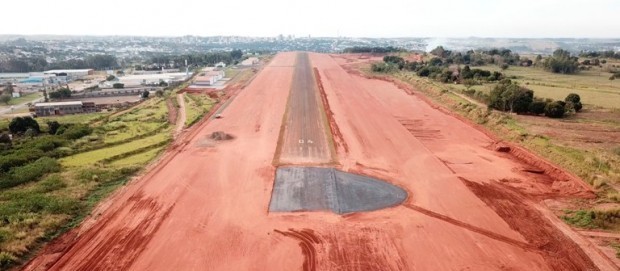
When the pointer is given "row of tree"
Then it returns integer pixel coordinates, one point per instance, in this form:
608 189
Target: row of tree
437 69
480 57
601 54
195 59
35 64
378 50
509 96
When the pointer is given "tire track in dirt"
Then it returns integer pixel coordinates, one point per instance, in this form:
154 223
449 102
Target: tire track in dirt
559 251
307 239
119 249
470 227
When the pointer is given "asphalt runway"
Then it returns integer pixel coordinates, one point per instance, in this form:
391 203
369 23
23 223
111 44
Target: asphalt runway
305 137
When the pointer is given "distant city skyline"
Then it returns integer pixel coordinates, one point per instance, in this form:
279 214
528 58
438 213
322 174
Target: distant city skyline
319 18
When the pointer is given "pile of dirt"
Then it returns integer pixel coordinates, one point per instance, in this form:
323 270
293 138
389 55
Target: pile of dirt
221 136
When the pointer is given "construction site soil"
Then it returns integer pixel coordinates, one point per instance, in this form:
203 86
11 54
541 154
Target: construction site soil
206 206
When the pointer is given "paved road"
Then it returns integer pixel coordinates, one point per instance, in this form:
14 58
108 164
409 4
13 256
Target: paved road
15 108
305 139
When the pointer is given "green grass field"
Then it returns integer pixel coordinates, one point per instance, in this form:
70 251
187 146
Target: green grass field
92 157
25 98
138 159
593 86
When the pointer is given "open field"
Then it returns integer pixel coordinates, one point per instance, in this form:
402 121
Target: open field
468 206
593 86
25 98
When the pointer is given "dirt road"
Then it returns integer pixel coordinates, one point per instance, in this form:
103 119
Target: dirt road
207 208
182 118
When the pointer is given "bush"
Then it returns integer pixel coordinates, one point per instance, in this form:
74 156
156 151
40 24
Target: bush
18 158
30 172
20 125
575 100
538 107
77 131
51 183
555 109
53 127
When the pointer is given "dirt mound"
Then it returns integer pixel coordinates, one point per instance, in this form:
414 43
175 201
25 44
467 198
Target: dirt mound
221 136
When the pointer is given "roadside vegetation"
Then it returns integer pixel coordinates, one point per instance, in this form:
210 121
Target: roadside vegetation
507 93
196 106
54 170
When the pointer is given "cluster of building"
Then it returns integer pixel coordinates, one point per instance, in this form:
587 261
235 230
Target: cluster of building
35 81
208 78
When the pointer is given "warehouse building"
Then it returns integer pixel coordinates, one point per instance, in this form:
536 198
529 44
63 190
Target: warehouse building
58 108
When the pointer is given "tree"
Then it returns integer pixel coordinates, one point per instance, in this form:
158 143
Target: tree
504 67
4 98
60 94
145 94
159 93
509 96
19 125
45 97
440 52
555 110
561 62
575 101
9 89
53 127
236 54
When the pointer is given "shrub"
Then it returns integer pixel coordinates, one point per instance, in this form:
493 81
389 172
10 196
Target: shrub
20 125
18 158
555 109
30 172
537 107
53 127
575 100
51 183
77 131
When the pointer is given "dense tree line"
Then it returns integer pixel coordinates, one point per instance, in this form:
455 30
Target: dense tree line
438 69
601 54
480 57
195 59
378 50
35 64
508 96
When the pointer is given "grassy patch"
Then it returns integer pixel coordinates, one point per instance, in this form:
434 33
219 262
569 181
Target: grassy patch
591 219
29 97
92 157
196 106
137 159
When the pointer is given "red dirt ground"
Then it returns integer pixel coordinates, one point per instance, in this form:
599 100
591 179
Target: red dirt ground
206 208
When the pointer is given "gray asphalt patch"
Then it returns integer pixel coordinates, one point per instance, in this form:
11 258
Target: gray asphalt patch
313 189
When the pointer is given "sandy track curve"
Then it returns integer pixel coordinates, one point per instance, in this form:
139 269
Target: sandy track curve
206 209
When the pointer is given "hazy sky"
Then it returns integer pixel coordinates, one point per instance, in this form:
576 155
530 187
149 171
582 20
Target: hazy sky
377 18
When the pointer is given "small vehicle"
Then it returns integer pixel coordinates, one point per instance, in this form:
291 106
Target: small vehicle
218 116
